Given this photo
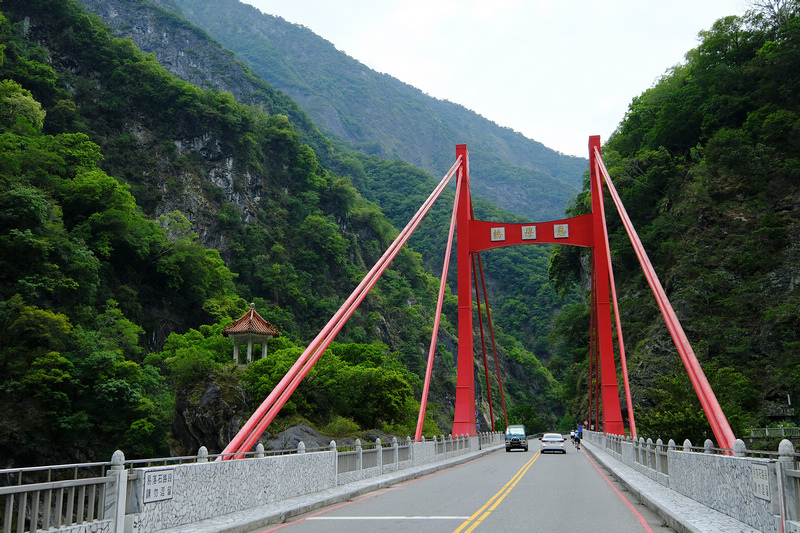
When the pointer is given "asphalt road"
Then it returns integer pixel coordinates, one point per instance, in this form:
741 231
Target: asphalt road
516 491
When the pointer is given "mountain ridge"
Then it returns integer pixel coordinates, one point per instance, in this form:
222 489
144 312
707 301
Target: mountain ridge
374 112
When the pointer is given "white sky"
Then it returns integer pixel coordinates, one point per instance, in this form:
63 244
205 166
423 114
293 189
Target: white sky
557 71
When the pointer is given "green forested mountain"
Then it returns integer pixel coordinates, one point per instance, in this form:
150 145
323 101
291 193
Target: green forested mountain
117 183
140 213
189 53
372 112
707 162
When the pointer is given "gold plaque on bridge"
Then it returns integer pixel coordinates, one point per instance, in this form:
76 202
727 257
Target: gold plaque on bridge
560 231
498 234
528 233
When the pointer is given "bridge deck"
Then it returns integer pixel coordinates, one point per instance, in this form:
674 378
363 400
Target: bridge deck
679 512
279 512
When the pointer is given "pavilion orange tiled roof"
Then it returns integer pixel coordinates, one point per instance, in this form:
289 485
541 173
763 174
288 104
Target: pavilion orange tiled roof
252 323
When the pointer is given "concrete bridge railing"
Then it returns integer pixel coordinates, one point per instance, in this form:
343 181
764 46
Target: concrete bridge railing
761 489
145 496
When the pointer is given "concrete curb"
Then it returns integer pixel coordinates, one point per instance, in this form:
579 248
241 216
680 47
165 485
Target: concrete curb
282 511
682 514
671 519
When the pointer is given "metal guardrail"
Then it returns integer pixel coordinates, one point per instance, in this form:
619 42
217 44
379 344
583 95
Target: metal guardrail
774 432
56 496
60 502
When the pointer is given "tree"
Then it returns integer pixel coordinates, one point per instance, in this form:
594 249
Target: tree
775 12
18 109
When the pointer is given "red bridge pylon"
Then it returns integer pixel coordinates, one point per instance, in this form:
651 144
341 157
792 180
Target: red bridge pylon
587 231
475 236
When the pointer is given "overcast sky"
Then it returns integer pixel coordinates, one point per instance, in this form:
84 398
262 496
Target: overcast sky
557 71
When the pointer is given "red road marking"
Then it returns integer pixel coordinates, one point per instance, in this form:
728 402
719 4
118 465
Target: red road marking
647 528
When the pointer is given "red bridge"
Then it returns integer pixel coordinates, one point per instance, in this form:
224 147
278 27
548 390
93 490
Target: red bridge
475 236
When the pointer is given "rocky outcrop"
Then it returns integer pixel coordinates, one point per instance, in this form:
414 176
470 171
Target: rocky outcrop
210 421
184 50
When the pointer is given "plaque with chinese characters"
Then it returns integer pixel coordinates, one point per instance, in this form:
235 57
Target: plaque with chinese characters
528 233
158 484
760 473
561 231
498 234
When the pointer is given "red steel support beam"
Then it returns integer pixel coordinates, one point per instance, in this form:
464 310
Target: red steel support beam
261 418
716 417
594 144
423 402
494 344
609 388
595 356
464 417
591 359
483 339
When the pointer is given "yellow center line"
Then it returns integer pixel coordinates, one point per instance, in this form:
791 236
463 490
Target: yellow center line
495 500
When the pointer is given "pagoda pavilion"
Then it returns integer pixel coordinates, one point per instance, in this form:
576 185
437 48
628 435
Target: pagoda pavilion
252 329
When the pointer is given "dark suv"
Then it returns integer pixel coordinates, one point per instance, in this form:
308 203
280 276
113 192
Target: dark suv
516 437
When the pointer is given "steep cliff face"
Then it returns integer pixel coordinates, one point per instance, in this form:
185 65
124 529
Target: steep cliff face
373 112
189 53
181 48
215 177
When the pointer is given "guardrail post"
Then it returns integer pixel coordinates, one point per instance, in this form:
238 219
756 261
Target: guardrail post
202 455
116 492
395 454
332 447
659 458
410 450
739 448
786 490
259 451
359 463
301 447
708 446
379 451
687 445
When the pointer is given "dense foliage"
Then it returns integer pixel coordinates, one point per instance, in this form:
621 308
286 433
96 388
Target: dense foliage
707 163
73 240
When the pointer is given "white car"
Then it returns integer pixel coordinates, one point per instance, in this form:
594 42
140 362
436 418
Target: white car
553 442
